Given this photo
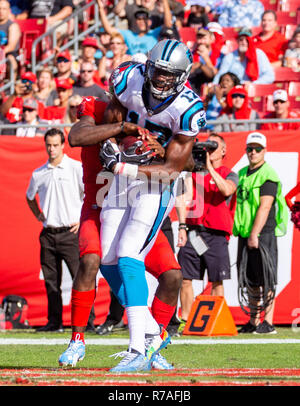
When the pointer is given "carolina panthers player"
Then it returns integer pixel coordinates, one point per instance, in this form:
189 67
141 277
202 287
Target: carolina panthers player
155 97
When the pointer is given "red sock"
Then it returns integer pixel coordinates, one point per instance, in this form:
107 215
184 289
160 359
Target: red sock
82 303
76 336
162 312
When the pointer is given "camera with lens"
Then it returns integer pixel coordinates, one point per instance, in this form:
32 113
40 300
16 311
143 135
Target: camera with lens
199 153
27 84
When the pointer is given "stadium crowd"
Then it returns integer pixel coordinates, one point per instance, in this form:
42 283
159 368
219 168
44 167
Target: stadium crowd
239 47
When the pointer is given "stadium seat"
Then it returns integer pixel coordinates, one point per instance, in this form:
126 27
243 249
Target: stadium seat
260 90
284 74
188 35
286 17
31 29
258 104
270 4
294 102
294 89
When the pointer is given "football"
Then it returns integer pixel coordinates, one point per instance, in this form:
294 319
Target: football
127 142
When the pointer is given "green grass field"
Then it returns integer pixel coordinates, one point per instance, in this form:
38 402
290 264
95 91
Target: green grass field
247 358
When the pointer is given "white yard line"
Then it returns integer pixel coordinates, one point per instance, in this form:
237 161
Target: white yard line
124 341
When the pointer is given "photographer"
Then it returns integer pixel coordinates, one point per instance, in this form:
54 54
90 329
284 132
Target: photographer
12 107
205 225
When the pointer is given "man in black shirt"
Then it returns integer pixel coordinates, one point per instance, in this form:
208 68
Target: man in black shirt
86 85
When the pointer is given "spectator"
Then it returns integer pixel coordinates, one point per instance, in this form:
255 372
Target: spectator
104 40
63 63
215 8
118 49
71 114
125 10
57 112
59 186
90 46
241 13
237 109
30 116
215 99
213 226
85 86
292 54
11 108
177 10
197 17
269 40
45 87
247 62
219 36
12 35
281 106
261 216
64 66
146 38
55 11
206 60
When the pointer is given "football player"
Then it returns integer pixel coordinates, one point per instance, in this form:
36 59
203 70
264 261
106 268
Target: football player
155 97
161 262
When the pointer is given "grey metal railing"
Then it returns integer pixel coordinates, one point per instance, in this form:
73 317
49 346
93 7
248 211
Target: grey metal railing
60 125
76 36
10 84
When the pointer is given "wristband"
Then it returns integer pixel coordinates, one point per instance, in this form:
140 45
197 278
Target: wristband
122 126
182 226
128 170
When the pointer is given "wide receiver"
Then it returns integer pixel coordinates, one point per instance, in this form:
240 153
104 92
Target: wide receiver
161 262
156 98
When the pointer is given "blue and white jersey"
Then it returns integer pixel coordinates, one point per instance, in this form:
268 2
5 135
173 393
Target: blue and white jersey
182 113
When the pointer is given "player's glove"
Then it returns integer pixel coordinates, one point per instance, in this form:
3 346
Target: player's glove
133 155
295 216
109 156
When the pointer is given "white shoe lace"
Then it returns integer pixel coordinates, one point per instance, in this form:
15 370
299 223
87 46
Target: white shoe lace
127 357
119 354
74 346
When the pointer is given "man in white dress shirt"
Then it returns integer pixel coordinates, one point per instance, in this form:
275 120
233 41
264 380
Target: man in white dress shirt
58 183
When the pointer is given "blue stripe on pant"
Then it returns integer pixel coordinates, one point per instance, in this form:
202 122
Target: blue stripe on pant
133 276
113 278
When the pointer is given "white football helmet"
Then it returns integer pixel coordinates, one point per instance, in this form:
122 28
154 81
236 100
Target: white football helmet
167 68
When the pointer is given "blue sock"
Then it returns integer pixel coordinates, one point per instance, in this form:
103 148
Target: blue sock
133 276
112 276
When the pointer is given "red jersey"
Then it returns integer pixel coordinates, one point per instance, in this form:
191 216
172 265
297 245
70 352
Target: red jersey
273 47
93 107
217 213
56 113
14 114
282 126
